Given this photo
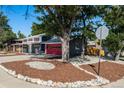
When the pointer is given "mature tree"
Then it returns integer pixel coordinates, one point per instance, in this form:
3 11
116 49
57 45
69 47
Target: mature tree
6 33
87 16
21 35
62 21
114 18
114 44
59 21
36 29
3 21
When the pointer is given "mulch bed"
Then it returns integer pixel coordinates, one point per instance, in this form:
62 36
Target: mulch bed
63 72
108 70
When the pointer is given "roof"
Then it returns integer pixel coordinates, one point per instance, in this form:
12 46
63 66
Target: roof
18 40
34 36
54 39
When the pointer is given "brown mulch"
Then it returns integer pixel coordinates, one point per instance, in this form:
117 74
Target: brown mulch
63 72
108 70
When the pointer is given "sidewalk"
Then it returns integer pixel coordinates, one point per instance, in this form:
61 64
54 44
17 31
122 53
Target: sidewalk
8 81
117 84
14 58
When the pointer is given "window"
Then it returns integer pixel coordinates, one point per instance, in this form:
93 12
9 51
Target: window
30 39
25 40
36 39
45 38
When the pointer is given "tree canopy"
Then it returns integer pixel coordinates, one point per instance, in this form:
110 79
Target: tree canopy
59 21
62 21
6 33
114 18
21 35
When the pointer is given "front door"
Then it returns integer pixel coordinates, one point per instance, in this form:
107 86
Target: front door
43 48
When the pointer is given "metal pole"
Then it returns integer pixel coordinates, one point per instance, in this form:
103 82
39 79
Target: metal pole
99 52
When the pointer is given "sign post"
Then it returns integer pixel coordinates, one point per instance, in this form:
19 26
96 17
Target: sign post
101 33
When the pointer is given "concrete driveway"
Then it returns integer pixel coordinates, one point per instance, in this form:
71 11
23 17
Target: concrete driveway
14 58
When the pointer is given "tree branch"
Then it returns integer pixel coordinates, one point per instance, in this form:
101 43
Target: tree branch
56 19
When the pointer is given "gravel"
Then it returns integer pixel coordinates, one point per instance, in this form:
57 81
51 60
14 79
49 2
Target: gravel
40 65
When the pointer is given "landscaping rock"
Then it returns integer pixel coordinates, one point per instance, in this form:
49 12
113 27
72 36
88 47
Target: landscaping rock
28 79
34 80
39 81
20 76
50 82
13 73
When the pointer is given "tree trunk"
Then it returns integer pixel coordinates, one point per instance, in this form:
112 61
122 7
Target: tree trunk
65 48
84 46
83 49
118 55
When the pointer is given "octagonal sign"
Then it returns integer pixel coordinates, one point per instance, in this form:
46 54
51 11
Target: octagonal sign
102 32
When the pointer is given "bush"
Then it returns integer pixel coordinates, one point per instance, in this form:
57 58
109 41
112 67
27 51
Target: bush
113 43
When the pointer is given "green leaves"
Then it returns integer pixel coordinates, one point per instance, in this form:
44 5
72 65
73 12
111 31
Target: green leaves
114 18
7 34
3 21
57 20
21 35
112 42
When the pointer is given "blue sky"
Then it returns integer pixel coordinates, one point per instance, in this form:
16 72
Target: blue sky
17 19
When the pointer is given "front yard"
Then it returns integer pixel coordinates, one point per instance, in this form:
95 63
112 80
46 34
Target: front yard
57 74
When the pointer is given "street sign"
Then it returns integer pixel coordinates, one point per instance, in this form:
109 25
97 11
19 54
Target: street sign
102 32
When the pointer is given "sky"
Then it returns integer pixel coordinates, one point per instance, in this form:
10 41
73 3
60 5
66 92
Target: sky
16 16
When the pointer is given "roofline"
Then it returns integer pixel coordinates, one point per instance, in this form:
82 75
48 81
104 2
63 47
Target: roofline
51 43
33 36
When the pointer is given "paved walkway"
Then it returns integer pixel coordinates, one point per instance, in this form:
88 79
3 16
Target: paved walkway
117 84
8 81
14 58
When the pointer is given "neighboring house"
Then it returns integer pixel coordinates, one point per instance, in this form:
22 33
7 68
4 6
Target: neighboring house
42 44
15 46
34 44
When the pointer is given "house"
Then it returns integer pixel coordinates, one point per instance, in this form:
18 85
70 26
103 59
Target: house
15 46
34 44
53 46
42 44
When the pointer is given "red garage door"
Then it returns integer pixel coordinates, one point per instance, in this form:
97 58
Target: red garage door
55 49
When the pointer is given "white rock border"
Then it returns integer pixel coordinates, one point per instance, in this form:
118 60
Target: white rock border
50 83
